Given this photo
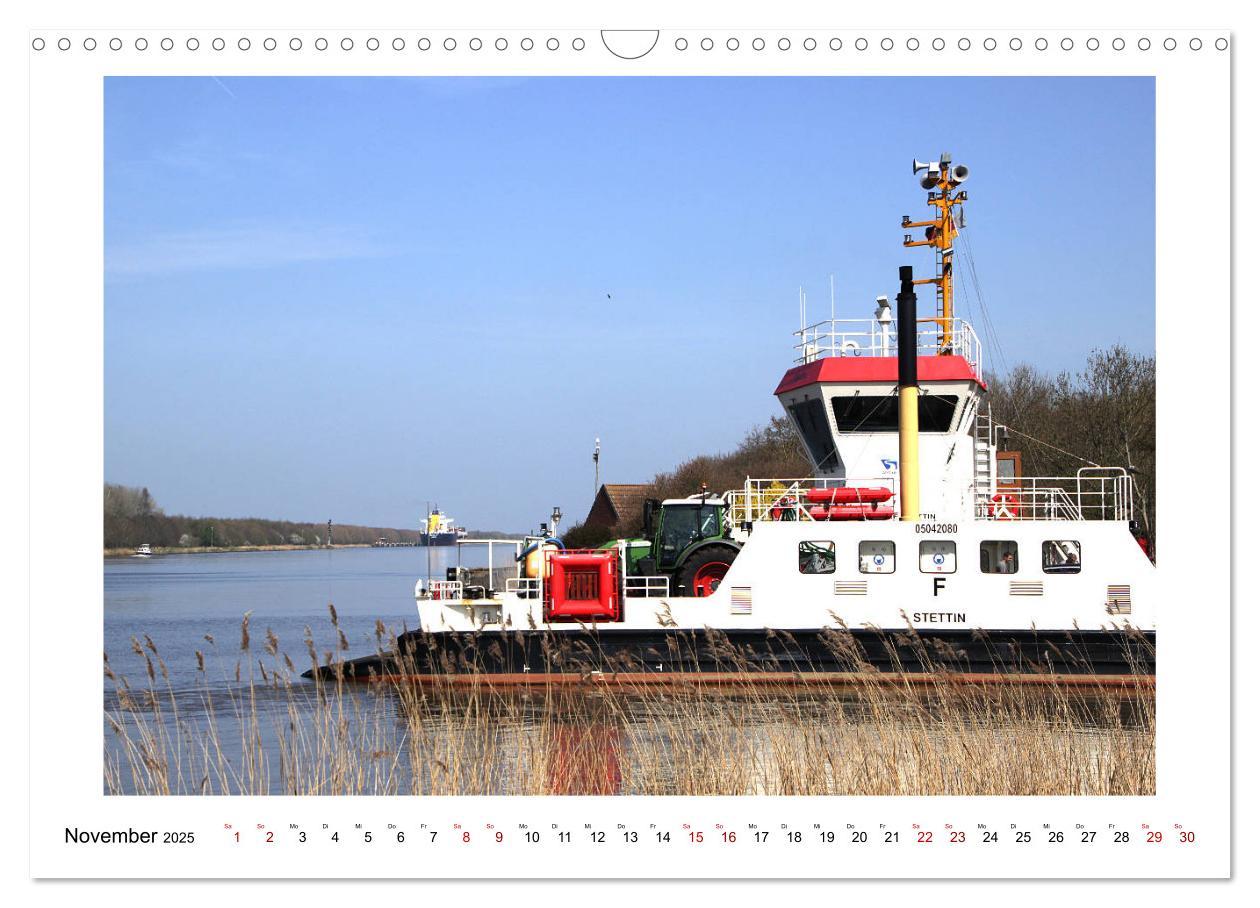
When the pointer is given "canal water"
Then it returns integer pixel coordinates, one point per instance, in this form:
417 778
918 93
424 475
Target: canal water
184 613
178 599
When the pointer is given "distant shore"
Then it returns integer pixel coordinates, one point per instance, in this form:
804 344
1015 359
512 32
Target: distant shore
207 550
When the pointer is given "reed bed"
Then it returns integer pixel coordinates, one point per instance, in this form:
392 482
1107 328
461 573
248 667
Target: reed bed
250 724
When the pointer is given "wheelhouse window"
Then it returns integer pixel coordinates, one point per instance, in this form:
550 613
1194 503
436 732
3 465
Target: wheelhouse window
877 557
1061 556
817 557
867 413
936 412
999 556
938 556
810 417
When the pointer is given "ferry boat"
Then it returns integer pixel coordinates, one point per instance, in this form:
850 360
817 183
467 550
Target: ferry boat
917 545
438 529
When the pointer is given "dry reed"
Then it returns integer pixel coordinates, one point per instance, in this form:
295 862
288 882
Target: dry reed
251 725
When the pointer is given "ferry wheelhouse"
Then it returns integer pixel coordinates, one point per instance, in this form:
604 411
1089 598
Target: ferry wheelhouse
917 544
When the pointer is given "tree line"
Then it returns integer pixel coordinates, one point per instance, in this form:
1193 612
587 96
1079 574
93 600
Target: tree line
132 518
1102 415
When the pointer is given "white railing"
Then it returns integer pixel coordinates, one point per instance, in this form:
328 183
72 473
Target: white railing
643 587
871 337
526 587
785 499
1094 493
447 589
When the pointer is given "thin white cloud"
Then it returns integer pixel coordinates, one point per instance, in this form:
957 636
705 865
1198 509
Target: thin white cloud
241 246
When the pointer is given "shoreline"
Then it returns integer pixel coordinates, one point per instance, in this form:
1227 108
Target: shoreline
216 550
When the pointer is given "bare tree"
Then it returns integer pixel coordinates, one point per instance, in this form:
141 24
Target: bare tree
1103 415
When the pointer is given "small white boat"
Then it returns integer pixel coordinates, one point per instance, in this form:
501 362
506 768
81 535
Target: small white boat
143 551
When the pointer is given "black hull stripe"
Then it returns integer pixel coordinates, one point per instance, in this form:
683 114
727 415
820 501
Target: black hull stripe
672 651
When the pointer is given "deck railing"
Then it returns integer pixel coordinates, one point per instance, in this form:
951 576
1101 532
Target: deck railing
1094 493
446 589
785 499
525 587
643 587
871 337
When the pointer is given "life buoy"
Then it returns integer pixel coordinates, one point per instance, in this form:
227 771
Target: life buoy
1004 506
783 509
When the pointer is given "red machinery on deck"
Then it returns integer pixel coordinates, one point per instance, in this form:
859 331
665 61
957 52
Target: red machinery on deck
582 585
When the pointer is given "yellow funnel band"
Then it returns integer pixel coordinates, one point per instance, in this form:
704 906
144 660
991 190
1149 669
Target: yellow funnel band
908 423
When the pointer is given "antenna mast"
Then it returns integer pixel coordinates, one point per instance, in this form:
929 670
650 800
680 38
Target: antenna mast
941 180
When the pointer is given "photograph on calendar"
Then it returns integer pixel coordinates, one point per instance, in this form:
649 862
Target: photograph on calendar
629 436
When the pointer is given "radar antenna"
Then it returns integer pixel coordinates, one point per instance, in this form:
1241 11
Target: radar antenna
942 179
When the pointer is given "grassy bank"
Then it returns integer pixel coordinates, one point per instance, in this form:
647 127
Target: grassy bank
251 725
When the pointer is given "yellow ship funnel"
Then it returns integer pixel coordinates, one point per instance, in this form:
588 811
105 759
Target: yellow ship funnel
908 393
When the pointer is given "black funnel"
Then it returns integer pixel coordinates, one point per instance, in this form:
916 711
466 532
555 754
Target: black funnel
907 331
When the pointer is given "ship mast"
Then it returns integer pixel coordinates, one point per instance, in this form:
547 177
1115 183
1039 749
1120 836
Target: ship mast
941 180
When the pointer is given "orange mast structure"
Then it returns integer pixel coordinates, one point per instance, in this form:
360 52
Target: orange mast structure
941 180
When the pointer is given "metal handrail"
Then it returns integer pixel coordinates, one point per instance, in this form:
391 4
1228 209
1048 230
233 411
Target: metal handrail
1108 496
871 337
1082 497
774 499
645 586
524 586
447 589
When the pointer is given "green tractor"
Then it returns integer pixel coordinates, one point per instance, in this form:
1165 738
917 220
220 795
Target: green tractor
686 539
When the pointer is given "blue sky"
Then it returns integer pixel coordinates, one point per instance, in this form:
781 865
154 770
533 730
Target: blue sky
338 298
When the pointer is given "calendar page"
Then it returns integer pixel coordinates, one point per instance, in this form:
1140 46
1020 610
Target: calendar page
504 444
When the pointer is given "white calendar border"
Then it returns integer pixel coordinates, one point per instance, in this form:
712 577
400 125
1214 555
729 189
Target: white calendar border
1193 273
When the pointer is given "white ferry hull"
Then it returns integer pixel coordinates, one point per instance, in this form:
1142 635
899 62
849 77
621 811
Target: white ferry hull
765 589
1098 622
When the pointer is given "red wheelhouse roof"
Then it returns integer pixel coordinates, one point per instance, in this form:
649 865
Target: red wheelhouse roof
872 369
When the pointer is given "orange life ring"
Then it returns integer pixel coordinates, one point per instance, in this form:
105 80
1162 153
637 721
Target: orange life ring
783 509
1005 506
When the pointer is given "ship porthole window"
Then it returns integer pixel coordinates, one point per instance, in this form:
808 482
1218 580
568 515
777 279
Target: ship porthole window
1061 556
938 556
877 556
999 556
817 557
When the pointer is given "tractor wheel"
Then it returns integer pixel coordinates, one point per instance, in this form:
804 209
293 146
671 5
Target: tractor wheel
703 571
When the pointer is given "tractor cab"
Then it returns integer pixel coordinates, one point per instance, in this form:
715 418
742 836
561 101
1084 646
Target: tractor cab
683 522
689 542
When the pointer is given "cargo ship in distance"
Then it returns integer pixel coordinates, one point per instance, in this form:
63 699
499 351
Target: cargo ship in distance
917 545
438 529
